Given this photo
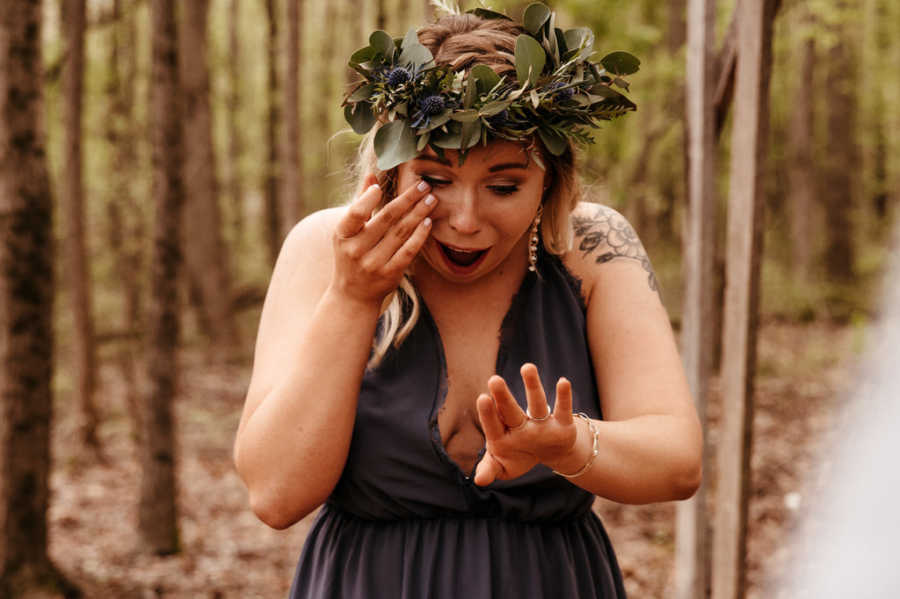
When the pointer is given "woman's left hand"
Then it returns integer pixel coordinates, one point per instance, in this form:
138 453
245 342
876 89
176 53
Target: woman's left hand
515 440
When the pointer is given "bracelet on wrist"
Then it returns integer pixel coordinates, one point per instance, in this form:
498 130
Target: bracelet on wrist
596 449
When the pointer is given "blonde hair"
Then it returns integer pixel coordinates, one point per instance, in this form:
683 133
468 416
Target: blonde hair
463 41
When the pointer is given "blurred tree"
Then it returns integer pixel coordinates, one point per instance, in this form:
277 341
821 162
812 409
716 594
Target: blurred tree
78 276
291 165
380 15
208 264
272 209
157 514
26 313
801 164
235 133
325 96
841 151
755 25
124 219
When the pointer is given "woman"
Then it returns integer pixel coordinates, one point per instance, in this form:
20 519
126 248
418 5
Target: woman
439 363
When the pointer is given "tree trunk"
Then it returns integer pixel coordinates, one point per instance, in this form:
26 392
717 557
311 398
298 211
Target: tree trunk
206 256
326 81
235 135
751 112
78 277
26 312
841 159
699 313
801 167
292 168
273 122
125 225
380 15
676 28
157 519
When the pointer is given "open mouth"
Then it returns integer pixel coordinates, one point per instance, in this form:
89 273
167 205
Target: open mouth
462 260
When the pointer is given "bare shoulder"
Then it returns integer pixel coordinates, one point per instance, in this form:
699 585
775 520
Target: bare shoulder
601 236
308 244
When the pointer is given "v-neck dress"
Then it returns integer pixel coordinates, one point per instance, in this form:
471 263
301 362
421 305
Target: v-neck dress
404 522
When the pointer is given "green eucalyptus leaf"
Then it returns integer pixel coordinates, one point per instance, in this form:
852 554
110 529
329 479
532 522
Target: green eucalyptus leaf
536 14
449 139
382 43
395 143
410 38
620 83
437 121
423 141
469 135
575 38
530 59
486 13
363 92
465 116
413 52
550 41
360 117
485 77
416 54
554 142
620 63
363 55
496 107
471 93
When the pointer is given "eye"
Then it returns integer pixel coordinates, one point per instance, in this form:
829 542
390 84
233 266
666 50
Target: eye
504 190
434 182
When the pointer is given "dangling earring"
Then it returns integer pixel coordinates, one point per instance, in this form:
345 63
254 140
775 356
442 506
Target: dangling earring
534 240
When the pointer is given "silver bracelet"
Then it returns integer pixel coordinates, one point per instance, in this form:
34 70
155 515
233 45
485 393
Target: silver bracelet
594 452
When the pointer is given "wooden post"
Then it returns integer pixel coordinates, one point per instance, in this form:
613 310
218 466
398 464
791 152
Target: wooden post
754 23
692 545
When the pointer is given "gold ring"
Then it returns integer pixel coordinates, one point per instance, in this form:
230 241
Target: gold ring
541 419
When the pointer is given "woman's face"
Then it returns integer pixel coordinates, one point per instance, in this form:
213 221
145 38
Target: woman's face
485 208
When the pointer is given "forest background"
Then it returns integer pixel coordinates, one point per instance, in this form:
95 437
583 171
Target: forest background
263 143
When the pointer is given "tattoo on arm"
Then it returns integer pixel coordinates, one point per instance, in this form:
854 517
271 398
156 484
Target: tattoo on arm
608 234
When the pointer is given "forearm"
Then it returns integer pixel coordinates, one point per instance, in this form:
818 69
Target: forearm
640 460
291 450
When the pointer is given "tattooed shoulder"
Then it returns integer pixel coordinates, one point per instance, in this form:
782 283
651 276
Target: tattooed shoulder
604 234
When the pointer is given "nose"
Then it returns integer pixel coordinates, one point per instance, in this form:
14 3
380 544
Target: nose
464 217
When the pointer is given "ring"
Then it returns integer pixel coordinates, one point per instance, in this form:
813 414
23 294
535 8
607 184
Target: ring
541 419
518 426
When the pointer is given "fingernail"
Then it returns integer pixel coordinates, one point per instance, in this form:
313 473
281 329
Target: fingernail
374 186
427 222
429 200
422 186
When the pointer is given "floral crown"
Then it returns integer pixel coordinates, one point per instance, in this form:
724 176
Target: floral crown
558 92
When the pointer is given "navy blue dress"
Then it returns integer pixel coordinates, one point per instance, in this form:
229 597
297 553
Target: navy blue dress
404 522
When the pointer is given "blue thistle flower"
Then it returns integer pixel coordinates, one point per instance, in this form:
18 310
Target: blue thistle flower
398 76
432 105
563 94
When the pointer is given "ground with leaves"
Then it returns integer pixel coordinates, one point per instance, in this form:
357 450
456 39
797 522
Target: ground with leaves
804 372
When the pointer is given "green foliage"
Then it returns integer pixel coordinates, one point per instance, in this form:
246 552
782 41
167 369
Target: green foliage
559 92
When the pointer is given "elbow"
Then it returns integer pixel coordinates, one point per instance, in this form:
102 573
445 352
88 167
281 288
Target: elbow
270 502
688 475
274 515
687 482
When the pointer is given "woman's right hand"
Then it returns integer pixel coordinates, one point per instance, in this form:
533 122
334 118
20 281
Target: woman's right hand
371 251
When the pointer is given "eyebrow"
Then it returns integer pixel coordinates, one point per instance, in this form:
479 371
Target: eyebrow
492 169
